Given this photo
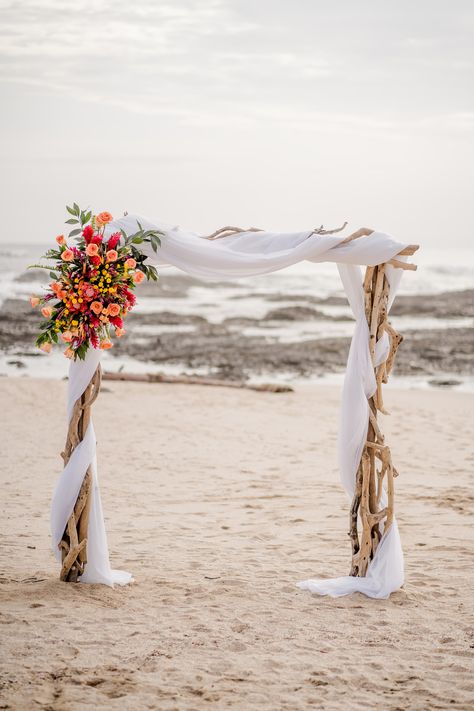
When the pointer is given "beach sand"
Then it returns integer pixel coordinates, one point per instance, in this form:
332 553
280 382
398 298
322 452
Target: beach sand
219 501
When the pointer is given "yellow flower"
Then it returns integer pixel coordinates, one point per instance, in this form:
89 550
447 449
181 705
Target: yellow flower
75 323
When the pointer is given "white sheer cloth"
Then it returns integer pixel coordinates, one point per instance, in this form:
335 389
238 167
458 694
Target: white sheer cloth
242 255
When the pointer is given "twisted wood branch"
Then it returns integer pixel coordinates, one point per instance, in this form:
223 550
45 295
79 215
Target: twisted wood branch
73 544
376 472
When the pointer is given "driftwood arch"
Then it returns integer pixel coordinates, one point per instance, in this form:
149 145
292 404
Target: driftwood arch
375 469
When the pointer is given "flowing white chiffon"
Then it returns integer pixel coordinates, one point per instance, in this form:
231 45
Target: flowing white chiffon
242 255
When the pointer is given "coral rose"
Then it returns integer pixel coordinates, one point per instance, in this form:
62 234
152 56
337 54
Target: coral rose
34 301
46 311
112 255
92 250
131 263
138 277
103 218
60 239
105 345
96 307
113 309
119 332
69 353
67 336
46 347
67 255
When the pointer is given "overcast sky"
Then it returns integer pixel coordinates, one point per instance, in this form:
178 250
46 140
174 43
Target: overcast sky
274 113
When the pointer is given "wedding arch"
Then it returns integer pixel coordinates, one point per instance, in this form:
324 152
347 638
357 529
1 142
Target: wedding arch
366 468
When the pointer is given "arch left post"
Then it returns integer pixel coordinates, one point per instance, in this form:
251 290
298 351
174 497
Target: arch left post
73 544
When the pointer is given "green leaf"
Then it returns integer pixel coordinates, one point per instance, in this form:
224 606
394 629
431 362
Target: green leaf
71 222
53 275
70 210
76 208
74 232
137 240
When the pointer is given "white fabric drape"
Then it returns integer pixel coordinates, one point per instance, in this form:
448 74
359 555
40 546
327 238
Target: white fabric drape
242 255
97 569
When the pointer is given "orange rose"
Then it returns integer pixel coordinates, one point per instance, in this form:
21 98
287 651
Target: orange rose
96 307
92 250
67 336
61 294
106 344
113 309
119 332
112 255
103 218
60 239
138 277
69 353
67 255
46 347
131 263
46 311
34 301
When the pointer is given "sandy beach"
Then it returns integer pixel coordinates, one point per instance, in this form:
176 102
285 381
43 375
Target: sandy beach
219 501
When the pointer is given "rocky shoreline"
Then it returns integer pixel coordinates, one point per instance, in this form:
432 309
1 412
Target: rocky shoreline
225 350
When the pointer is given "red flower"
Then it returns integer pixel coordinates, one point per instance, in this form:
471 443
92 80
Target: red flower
95 260
96 239
88 233
94 339
116 321
114 240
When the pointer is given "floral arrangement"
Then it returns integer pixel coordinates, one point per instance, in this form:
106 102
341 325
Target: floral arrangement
93 283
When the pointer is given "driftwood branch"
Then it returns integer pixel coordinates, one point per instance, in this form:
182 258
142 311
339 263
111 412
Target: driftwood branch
196 380
228 231
373 500
73 544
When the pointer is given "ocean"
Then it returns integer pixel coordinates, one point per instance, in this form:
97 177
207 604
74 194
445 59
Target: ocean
303 303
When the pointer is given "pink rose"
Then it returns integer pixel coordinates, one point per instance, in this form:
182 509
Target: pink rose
34 301
131 263
46 347
67 255
96 307
112 255
67 336
69 353
46 311
92 250
113 309
60 239
119 332
138 277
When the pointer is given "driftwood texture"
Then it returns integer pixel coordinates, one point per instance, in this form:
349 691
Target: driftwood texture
376 470
73 544
197 380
